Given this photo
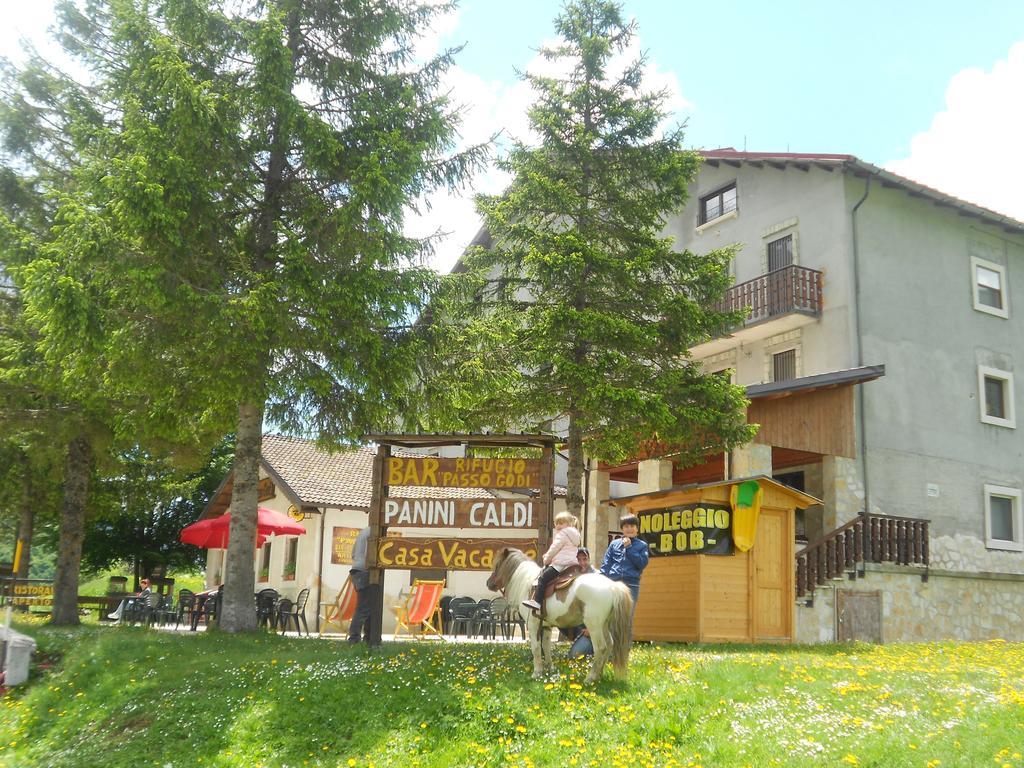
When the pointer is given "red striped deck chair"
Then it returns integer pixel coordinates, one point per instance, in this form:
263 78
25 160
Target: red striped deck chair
339 612
421 609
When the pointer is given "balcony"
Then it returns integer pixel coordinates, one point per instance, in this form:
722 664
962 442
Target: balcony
779 301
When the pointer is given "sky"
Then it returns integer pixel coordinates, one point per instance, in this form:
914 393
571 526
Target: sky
917 86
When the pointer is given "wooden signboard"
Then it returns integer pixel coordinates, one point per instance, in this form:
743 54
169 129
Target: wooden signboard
447 554
464 473
32 593
486 513
688 529
265 489
342 541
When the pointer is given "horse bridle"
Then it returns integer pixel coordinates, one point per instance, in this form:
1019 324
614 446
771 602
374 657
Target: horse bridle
494 578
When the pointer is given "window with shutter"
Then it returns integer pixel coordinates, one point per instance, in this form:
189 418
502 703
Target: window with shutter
780 253
784 365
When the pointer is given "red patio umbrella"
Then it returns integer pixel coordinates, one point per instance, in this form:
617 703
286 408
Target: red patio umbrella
212 533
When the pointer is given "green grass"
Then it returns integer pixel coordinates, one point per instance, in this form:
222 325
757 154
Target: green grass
97 584
135 697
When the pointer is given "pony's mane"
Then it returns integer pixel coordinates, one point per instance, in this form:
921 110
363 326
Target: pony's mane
513 559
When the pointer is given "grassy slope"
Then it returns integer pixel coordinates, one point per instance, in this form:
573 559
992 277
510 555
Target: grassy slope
97 585
131 697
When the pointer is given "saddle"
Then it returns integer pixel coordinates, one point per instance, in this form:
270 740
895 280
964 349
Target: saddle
561 581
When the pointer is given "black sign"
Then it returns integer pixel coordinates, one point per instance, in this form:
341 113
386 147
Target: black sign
690 529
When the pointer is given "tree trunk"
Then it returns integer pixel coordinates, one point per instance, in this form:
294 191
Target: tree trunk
238 613
72 531
574 446
26 519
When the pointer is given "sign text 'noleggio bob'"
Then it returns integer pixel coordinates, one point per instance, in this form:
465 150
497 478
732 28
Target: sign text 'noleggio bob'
691 529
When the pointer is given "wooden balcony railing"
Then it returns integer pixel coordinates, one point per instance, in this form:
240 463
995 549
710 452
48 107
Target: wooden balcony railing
865 539
790 289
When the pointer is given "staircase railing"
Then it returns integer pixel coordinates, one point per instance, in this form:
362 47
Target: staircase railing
865 539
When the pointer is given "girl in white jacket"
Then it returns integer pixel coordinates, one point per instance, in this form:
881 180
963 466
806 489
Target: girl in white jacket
560 555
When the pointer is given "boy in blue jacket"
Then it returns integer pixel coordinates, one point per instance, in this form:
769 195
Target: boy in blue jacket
627 556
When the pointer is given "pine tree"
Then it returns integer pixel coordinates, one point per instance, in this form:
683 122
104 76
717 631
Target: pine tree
579 313
231 223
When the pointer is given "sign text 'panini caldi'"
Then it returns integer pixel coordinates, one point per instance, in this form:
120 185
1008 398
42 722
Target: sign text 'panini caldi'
463 513
447 554
464 473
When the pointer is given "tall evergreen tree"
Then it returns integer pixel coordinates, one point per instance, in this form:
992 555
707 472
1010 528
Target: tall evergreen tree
232 226
579 314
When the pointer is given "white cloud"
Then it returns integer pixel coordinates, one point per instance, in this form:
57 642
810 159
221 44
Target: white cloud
493 107
26 21
974 149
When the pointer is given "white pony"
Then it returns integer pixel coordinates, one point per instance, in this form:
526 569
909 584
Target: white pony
605 606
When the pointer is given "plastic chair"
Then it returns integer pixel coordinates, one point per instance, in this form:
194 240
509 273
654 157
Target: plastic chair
164 610
443 605
341 610
141 609
186 605
512 619
421 609
289 611
207 609
266 608
481 616
461 612
495 618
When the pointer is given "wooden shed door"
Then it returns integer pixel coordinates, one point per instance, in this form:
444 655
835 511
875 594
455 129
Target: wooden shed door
772 589
858 616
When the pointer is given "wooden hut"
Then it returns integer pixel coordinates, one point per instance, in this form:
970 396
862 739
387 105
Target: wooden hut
701 587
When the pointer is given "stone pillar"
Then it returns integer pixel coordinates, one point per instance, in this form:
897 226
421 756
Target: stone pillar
751 459
842 491
601 515
654 475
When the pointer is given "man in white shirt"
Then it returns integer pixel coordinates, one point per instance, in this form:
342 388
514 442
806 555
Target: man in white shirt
367 595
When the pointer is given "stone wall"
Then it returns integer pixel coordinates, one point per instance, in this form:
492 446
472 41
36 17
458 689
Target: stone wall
949 606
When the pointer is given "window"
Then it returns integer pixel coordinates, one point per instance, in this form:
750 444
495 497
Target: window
718 203
264 573
780 253
290 558
784 365
995 391
989 281
1003 518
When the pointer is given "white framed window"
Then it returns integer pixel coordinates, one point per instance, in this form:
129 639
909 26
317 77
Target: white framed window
989 287
264 571
1003 529
995 395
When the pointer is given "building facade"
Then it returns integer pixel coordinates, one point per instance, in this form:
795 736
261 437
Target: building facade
846 267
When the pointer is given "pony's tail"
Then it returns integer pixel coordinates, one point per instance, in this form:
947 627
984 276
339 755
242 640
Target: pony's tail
620 627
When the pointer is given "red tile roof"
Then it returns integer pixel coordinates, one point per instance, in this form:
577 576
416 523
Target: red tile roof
341 479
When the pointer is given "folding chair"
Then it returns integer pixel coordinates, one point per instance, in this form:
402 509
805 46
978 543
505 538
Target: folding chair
422 608
340 611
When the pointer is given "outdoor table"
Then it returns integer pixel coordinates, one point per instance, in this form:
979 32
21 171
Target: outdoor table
199 609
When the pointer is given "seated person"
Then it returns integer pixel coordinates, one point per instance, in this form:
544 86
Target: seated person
143 593
582 644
